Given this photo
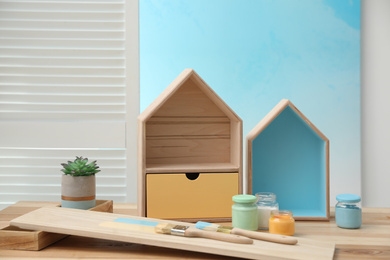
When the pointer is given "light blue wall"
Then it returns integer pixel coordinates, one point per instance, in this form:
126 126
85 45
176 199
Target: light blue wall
254 53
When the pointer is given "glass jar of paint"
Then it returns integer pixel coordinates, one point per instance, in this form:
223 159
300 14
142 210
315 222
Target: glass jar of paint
282 222
244 212
348 211
266 202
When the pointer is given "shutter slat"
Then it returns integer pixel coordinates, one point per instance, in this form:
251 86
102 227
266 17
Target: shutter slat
92 80
61 6
67 1
61 25
63 99
61 34
28 108
61 52
47 180
96 153
61 90
82 43
12 198
23 172
61 71
61 63
60 16
21 115
55 162
54 188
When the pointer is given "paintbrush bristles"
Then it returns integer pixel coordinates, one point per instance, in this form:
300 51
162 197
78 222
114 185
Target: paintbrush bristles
164 228
212 227
218 228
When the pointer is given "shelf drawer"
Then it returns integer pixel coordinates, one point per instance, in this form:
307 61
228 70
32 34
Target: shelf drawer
176 196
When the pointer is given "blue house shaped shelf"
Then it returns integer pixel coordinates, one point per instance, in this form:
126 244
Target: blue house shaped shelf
289 156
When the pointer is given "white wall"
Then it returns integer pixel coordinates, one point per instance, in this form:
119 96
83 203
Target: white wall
375 104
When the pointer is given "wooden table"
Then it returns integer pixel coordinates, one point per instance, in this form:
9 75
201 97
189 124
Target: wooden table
372 241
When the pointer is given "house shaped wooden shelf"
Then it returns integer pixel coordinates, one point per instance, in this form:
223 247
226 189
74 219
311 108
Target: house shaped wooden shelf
289 156
189 153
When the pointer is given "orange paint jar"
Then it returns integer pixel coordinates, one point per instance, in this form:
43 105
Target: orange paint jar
282 222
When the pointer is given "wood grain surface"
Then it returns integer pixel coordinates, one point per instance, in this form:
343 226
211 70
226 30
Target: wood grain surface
372 241
94 224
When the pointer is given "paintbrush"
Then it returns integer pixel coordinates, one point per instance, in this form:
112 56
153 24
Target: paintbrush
188 231
246 233
154 226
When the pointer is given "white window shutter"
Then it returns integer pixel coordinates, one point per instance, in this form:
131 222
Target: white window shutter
69 86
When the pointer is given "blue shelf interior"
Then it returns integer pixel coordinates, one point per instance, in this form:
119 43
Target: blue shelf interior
289 160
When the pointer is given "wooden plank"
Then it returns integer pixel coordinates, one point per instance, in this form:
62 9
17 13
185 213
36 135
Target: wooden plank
141 166
89 224
199 167
192 120
236 150
189 128
187 150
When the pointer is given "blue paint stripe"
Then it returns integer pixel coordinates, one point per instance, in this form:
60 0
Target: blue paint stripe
137 222
202 225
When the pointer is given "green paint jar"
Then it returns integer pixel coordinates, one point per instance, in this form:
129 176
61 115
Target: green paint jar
244 212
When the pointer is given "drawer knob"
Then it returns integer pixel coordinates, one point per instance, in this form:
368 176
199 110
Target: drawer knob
192 175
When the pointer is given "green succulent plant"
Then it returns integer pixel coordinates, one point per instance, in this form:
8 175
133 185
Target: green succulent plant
80 167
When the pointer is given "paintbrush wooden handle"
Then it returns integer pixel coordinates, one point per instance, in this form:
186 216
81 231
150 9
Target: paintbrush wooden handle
194 232
265 236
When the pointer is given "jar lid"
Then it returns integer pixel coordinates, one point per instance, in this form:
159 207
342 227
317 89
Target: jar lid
281 212
348 198
266 196
244 198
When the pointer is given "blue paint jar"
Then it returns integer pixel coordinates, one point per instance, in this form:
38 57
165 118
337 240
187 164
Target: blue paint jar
348 211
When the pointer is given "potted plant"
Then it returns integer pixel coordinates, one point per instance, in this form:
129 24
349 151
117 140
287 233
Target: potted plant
78 188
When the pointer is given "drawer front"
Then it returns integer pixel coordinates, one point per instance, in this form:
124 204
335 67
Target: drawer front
174 196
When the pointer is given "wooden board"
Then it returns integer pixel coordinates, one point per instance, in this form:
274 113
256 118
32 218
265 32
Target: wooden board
288 155
15 238
199 167
94 224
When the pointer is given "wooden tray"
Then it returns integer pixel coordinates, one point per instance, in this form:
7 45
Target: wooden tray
15 238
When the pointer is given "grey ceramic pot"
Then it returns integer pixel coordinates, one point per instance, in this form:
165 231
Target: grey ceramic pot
78 192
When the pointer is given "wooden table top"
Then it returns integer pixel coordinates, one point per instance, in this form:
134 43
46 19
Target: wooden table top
371 241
